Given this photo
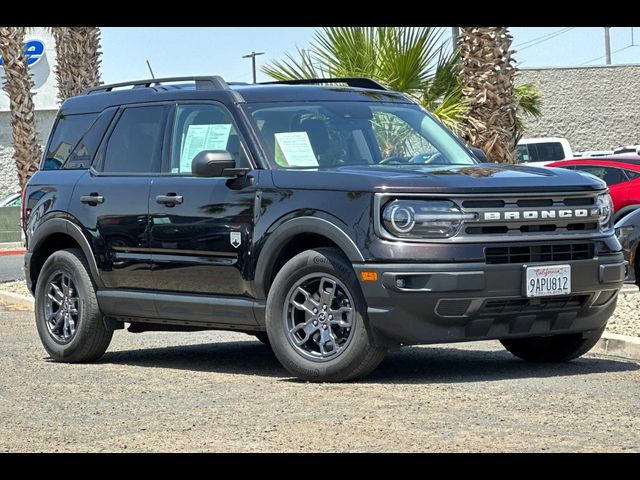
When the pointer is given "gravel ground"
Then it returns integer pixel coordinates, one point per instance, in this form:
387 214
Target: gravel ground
218 391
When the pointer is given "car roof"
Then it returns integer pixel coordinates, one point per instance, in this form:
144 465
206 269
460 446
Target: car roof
526 141
629 159
97 101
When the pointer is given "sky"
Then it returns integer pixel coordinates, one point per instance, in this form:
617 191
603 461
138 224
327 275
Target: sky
185 51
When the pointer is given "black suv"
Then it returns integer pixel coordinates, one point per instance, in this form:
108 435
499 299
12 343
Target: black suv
332 219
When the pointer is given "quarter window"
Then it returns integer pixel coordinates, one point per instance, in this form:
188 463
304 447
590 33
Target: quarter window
68 130
135 144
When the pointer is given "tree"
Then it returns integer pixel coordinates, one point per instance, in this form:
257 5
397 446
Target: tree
18 85
78 59
487 76
411 60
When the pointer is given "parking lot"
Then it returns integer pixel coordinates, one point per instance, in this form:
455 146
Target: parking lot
212 391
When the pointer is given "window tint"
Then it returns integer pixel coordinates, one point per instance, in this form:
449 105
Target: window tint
67 132
83 153
610 175
523 153
544 152
135 143
203 127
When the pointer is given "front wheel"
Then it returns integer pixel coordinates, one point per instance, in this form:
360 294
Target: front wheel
316 319
557 348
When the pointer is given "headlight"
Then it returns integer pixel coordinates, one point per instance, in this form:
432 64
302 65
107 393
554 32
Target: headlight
423 218
605 207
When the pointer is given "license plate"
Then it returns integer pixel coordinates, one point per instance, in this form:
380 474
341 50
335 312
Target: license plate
548 280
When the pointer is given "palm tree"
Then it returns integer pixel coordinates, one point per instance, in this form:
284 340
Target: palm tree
78 59
17 85
487 77
411 60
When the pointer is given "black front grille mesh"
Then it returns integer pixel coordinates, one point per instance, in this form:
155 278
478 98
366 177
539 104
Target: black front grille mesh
539 253
531 305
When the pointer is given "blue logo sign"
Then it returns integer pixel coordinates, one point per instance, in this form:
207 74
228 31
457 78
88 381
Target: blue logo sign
33 51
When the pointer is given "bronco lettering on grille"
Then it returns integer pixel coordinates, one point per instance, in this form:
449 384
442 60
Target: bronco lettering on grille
539 214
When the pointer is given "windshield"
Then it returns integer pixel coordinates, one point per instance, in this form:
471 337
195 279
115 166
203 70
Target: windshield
333 134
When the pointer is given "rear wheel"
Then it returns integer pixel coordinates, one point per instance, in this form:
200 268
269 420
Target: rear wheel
316 319
557 348
68 319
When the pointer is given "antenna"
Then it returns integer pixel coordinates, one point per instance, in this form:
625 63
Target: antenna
150 71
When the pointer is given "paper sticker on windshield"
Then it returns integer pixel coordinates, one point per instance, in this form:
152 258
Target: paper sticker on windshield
203 137
293 149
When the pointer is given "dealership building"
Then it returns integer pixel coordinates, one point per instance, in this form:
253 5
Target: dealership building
595 108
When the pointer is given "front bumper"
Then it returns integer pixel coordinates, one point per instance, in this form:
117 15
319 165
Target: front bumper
455 302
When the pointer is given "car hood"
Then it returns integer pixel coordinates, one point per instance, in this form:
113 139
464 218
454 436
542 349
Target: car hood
468 179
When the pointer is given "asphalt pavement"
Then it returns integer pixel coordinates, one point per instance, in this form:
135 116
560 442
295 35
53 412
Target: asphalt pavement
11 268
219 391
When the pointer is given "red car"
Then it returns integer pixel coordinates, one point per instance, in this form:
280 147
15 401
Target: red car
620 172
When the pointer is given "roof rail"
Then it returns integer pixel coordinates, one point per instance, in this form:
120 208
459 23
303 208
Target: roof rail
214 82
357 82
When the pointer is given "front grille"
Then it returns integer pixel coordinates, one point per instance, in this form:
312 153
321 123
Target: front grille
532 305
539 253
530 216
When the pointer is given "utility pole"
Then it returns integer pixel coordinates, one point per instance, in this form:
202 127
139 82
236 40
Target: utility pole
455 33
253 56
607 46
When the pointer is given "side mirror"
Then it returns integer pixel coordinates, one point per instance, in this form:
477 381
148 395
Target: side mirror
479 154
212 163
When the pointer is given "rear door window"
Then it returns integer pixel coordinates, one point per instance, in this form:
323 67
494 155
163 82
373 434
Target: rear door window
135 144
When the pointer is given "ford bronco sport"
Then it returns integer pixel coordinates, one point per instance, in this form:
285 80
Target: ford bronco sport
333 219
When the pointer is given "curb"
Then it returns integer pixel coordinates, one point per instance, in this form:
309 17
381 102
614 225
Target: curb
611 344
12 252
615 345
16 298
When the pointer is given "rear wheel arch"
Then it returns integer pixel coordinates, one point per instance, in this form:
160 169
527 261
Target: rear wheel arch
54 235
293 237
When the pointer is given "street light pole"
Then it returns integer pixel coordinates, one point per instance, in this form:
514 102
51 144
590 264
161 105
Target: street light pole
253 56
455 33
607 46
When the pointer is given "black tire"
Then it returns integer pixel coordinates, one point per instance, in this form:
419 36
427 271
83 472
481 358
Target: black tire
358 357
263 338
557 348
92 337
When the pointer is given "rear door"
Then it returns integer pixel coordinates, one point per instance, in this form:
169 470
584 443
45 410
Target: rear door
111 199
200 239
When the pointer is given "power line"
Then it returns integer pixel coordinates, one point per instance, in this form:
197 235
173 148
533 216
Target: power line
539 38
602 56
544 38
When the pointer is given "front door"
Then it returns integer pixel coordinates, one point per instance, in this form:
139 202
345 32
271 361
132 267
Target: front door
200 227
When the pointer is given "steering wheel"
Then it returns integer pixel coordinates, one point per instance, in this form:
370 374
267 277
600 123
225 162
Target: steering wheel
395 160
425 158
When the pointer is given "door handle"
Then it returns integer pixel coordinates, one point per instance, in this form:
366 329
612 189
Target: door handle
93 199
169 200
